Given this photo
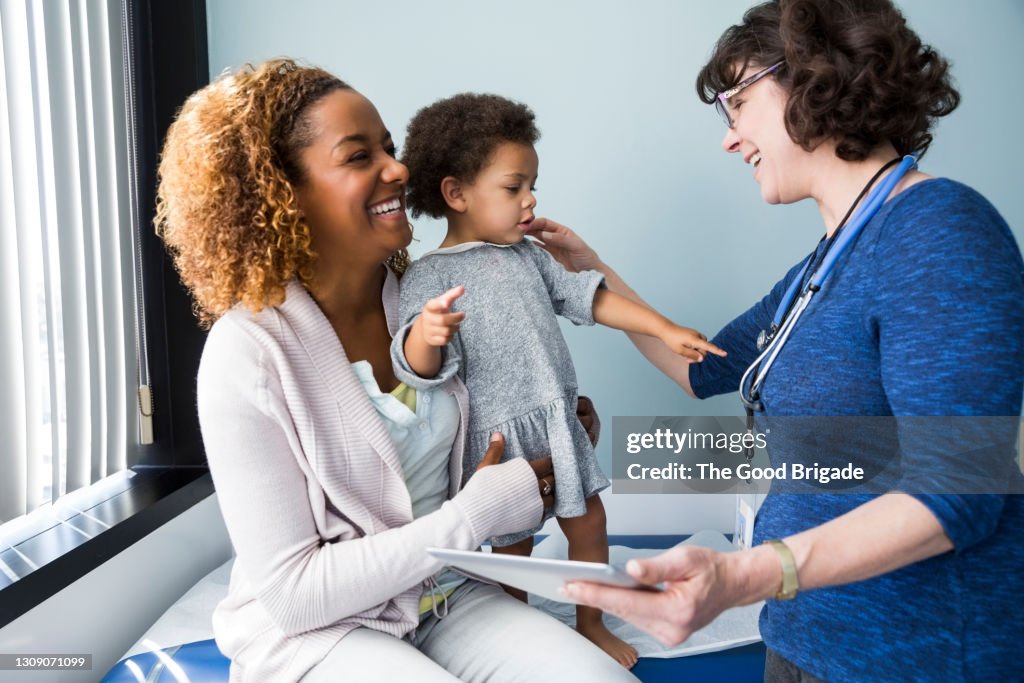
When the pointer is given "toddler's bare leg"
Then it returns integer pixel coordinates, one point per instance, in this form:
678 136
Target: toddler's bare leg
523 548
588 542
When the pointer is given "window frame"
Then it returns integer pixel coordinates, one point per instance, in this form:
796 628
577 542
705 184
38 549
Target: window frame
170 59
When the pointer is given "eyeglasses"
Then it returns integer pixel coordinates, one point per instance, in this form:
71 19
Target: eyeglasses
720 98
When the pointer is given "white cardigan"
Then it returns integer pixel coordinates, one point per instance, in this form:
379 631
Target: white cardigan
313 496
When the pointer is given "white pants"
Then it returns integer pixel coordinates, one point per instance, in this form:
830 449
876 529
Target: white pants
487 636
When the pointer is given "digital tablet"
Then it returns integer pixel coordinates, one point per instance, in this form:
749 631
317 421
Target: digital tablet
539 576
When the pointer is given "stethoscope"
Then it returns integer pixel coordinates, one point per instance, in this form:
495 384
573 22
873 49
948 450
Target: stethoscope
771 340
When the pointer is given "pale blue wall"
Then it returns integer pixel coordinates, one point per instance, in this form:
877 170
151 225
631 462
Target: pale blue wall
629 156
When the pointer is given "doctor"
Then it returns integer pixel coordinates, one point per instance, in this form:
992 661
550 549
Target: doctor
921 315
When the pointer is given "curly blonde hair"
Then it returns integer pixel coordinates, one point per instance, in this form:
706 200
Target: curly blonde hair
226 204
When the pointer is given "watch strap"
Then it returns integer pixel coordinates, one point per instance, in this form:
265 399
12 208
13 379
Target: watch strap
790 584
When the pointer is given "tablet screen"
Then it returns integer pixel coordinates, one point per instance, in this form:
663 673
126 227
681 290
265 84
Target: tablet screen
542 577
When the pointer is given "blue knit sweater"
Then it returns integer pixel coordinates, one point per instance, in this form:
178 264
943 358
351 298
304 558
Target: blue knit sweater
924 315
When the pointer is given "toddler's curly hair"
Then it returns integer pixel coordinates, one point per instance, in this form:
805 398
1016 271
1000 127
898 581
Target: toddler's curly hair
455 137
226 204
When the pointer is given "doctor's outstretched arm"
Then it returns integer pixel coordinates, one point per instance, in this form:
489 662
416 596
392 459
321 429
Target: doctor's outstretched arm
574 254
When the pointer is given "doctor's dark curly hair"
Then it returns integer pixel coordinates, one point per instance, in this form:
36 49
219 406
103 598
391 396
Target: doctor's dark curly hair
855 72
455 137
226 205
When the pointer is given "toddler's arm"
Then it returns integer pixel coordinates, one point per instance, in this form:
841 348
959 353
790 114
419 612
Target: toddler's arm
434 328
614 310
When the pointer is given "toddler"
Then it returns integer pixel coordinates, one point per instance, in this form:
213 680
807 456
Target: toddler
483 306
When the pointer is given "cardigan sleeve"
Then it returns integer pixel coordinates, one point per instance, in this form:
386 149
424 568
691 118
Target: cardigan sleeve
268 493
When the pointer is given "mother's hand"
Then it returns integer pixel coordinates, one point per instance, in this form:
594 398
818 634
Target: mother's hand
699 585
542 468
566 246
587 415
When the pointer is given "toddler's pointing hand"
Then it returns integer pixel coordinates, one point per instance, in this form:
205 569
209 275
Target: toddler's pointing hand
690 344
437 323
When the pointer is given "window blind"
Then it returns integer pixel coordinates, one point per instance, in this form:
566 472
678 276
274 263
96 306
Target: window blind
68 409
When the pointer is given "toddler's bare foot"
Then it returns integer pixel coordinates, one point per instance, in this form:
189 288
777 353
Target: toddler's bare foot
618 649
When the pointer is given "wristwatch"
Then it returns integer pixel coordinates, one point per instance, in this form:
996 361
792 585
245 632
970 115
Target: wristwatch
790 584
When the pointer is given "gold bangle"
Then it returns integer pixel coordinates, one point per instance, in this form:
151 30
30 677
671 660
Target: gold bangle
790 584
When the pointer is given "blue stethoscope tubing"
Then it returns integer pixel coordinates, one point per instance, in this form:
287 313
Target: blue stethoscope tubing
753 378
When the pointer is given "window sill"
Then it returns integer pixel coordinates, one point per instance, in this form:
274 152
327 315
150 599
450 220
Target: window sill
49 561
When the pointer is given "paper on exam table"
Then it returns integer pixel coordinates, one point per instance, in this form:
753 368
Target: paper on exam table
732 628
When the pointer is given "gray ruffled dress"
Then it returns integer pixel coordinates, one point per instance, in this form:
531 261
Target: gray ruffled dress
511 355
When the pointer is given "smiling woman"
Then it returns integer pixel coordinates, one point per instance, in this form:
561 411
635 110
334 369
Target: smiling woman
902 307
283 204
348 183
270 237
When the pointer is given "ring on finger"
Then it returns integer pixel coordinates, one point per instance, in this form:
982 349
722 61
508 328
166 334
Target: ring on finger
547 488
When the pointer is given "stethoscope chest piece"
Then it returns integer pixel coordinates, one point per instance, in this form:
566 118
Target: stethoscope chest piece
765 337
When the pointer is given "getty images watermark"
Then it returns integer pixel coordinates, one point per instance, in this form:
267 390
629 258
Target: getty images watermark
918 455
